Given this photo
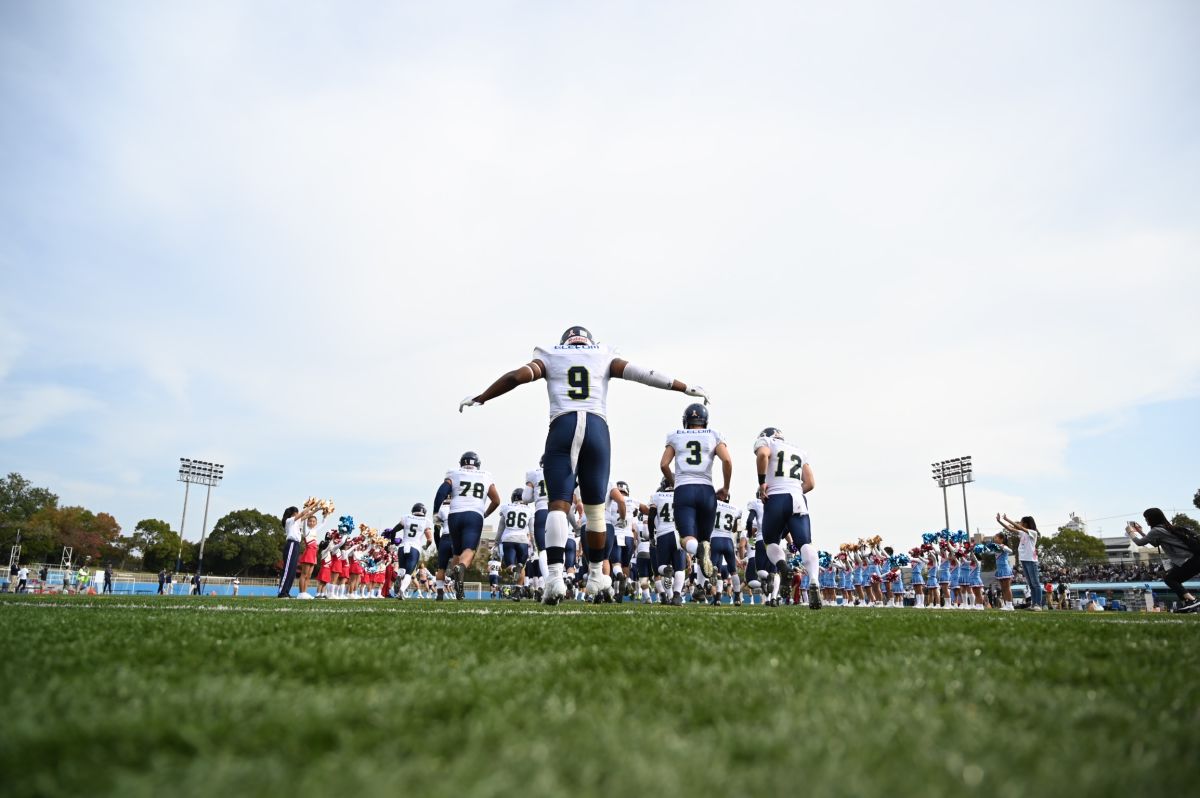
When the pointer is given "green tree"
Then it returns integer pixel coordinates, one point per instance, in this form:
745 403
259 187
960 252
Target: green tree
20 501
1186 522
244 542
1196 500
1070 547
90 534
157 543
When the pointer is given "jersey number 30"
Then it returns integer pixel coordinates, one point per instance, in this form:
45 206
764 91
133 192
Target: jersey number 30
578 379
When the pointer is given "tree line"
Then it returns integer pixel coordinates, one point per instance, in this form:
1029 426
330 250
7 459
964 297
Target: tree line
240 543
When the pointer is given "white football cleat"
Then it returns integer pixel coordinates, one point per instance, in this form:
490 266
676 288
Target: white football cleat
305 595
555 591
598 584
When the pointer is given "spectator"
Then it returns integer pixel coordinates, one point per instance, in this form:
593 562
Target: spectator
43 575
237 583
1027 535
170 582
162 580
196 584
22 579
108 578
1178 545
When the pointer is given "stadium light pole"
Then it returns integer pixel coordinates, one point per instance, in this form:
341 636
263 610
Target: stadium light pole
204 473
956 471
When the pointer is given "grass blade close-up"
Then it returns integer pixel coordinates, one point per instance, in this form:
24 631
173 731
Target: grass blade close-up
132 696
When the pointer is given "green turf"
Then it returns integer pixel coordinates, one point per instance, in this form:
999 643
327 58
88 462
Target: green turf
177 696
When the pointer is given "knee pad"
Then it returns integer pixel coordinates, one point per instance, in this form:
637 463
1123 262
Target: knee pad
595 517
775 552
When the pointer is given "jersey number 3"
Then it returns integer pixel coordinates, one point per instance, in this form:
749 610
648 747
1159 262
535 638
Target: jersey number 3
693 448
578 379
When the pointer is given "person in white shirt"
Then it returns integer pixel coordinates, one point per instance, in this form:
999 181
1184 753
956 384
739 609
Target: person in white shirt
1027 537
784 478
693 450
293 530
469 488
578 451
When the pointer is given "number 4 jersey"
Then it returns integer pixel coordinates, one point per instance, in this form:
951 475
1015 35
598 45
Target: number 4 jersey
577 378
468 490
784 471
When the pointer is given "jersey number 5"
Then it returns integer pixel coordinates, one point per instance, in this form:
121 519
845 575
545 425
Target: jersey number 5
578 379
794 472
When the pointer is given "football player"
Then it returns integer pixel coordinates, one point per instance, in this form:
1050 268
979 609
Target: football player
668 553
512 533
445 552
468 487
577 372
723 549
535 494
784 477
692 450
412 534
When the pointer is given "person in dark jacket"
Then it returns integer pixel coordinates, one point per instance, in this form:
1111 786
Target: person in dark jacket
1174 543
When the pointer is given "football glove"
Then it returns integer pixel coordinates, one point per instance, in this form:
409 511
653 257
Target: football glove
468 402
698 392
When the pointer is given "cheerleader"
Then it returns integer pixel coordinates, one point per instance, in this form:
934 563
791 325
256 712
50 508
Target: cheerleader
875 573
860 570
325 557
1004 572
917 578
945 567
974 577
424 581
932 597
314 531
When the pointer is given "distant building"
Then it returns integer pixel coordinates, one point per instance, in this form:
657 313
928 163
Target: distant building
1076 524
1121 551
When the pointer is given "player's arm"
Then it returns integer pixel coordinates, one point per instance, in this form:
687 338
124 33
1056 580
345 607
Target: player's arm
651 514
664 464
624 370
533 370
618 497
527 493
722 454
762 456
442 492
494 497
806 478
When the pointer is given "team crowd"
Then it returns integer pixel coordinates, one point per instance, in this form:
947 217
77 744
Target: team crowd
568 532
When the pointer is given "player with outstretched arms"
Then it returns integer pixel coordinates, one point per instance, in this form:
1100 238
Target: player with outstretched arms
469 488
578 451
784 477
692 450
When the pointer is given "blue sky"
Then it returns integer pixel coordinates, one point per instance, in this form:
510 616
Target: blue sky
290 237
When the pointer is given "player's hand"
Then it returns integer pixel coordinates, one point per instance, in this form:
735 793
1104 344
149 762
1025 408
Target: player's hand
468 402
762 491
697 391
723 495
622 523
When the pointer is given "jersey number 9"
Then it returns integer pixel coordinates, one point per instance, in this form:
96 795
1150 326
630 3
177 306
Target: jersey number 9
577 378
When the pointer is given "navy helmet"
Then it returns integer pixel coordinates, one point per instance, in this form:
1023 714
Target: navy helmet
665 486
516 494
771 432
577 336
418 509
469 459
623 486
695 415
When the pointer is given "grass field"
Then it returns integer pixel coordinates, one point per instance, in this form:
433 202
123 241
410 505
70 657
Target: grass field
172 696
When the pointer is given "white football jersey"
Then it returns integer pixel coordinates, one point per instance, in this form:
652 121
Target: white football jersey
515 522
694 455
757 506
412 531
541 500
664 520
468 489
727 519
576 377
612 510
643 538
784 471
493 567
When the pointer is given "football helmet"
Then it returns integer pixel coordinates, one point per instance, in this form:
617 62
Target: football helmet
418 509
516 494
695 415
623 486
469 459
577 336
